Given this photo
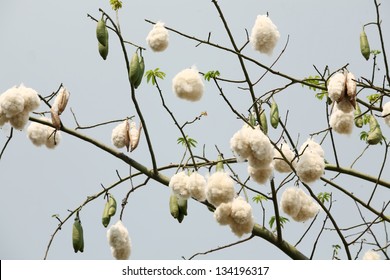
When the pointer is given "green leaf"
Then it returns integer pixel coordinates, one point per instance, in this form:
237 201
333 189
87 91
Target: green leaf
374 98
258 198
363 135
191 142
211 75
323 197
282 221
151 75
375 52
116 4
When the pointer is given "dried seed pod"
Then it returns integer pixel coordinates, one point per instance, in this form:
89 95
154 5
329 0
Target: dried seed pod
61 100
55 119
102 32
134 135
77 235
358 117
135 69
375 133
274 114
364 45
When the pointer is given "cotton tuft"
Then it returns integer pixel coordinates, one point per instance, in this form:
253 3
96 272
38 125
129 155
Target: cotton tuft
311 165
264 35
222 213
188 84
158 37
371 255
220 188
179 185
336 86
239 143
118 239
260 175
298 205
40 134
341 122
120 135
12 102
197 186
386 112
279 162
262 149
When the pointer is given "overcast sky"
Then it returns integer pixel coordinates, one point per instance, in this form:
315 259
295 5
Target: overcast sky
46 43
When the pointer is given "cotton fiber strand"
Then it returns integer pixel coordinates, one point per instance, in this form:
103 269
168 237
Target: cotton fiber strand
188 85
386 113
264 35
118 239
220 188
158 37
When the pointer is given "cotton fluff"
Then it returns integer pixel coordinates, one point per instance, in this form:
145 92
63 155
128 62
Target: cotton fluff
345 106
298 205
311 164
220 188
20 120
264 35
197 186
120 135
239 143
188 84
386 113
341 122
237 214
31 98
279 162
371 255
118 239
158 37
41 134
262 149
336 86
179 185
351 88
260 175
12 102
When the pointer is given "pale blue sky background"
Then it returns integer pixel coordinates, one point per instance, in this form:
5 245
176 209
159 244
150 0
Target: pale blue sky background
45 43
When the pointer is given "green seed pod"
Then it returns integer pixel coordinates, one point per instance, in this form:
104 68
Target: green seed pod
375 133
102 33
182 203
358 117
219 166
364 45
103 51
181 217
173 206
134 69
274 114
263 123
77 236
111 206
141 72
106 217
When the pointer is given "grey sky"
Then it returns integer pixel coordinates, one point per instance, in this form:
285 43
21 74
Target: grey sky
45 43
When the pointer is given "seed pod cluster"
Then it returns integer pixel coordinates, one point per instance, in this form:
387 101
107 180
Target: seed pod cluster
77 235
375 133
102 37
137 69
109 210
126 135
364 45
178 207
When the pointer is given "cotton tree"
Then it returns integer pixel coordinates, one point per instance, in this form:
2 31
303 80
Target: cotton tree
266 178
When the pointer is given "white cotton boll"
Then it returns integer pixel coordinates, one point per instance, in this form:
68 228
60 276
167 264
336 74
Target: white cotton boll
197 186
308 208
260 175
54 137
290 201
341 122
345 106
120 135
336 86
279 162
37 133
220 188
222 213
371 255
241 229
188 84
241 212
351 87
239 143
118 239
386 112
262 149
179 185
310 167
311 146
20 120
31 98
158 37
12 102
3 119
264 35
